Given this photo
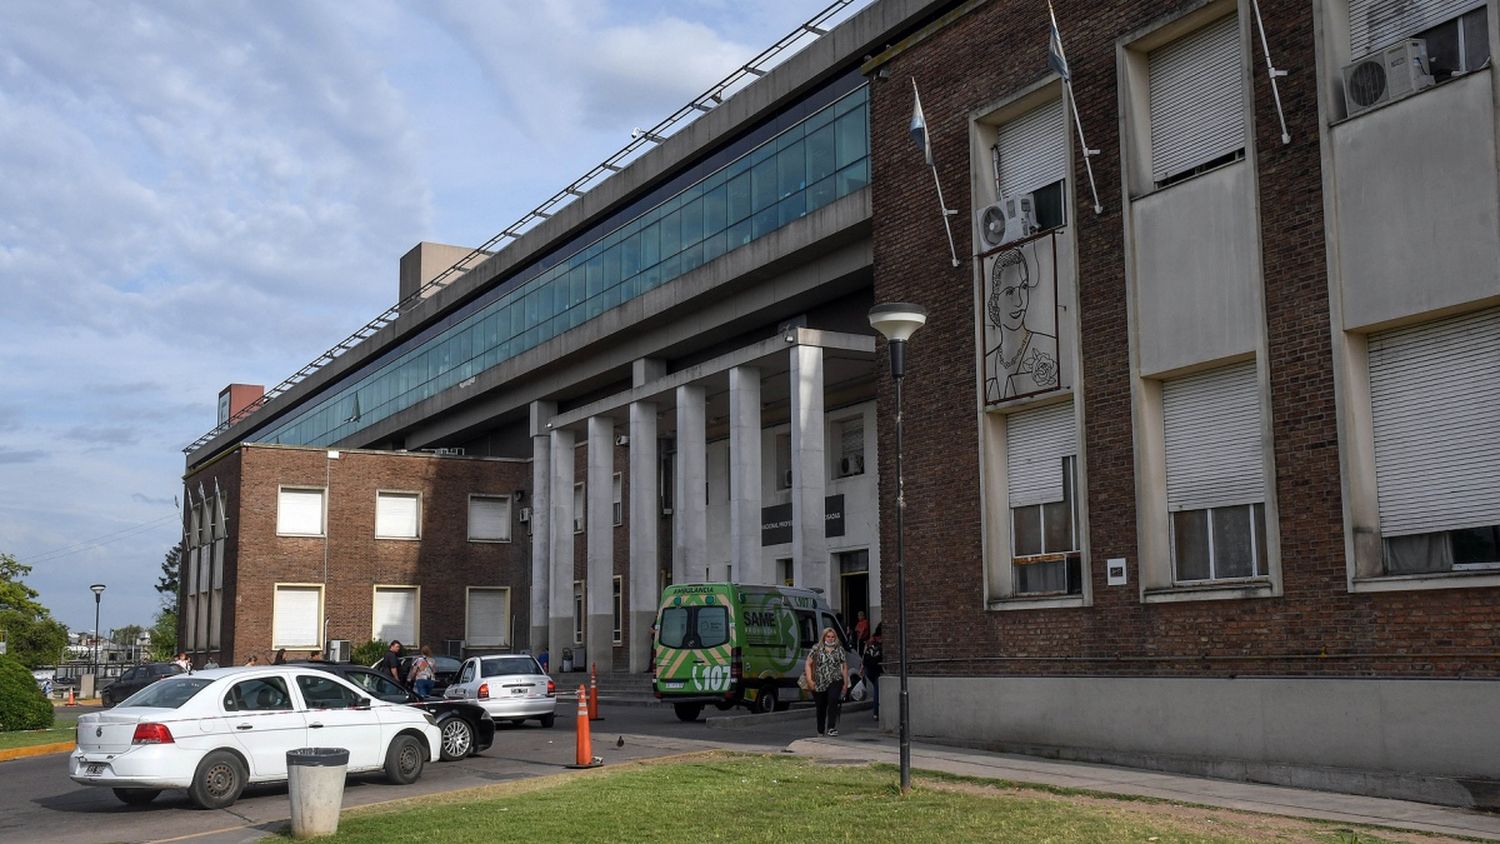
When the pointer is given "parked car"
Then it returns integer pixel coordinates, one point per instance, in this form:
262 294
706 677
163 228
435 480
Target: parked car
135 679
511 687
214 732
467 729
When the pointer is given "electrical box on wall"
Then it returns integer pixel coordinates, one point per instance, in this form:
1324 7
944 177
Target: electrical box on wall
1115 570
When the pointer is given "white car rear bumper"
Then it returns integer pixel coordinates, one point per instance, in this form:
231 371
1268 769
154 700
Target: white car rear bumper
145 766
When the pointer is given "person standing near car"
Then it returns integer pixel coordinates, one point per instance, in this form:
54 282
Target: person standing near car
422 673
390 664
827 674
873 668
183 662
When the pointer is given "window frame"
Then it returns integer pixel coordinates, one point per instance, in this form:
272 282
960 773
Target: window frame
322 611
417 496
468 615
416 621
322 515
509 517
617 604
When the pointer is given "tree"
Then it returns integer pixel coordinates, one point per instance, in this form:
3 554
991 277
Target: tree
32 636
167 584
15 595
164 636
126 635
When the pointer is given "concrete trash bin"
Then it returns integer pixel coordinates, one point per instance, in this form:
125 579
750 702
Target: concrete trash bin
315 780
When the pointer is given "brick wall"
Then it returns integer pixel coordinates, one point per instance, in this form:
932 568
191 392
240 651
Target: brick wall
1317 627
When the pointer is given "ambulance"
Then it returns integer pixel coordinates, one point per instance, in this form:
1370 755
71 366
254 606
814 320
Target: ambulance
729 644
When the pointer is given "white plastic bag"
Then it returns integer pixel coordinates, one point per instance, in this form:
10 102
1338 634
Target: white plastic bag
858 692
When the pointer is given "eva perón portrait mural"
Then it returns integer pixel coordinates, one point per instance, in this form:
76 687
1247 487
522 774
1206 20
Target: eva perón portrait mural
1020 319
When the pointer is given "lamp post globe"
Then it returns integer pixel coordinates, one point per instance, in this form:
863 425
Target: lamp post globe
897 322
98 590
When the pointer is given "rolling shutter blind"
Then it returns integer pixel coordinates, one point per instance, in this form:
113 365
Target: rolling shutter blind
296 611
1212 429
1196 91
300 511
489 518
396 615
1032 150
1036 441
486 617
1377 23
396 515
1435 407
192 573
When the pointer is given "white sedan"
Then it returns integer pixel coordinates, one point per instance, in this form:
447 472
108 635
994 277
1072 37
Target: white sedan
511 687
214 732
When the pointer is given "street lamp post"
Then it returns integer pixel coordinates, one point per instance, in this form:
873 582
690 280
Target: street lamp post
98 589
898 322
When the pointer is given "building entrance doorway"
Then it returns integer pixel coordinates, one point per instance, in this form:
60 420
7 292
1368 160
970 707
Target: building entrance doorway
854 584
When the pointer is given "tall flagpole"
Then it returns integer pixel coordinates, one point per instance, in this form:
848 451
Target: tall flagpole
1067 77
919 134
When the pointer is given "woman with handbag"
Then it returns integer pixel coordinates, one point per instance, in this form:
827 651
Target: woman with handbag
827 674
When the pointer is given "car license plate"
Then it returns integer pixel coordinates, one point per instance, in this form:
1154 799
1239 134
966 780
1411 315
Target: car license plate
93 769
673 684
518 691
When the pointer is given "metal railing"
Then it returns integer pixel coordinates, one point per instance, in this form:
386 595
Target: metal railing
639 140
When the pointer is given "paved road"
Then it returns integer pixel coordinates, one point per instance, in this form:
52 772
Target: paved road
39 802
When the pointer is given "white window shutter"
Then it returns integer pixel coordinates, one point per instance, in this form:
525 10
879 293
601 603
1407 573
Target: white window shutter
489 518
1036 441
396 615
486 618
1212 426
296 617
397 514
1033 151
1196 89
299 512
1435 410
1378 23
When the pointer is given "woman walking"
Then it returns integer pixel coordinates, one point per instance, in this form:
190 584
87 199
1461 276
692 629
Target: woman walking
422 673
827 674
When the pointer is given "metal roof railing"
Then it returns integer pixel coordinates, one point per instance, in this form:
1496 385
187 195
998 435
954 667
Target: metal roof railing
639 140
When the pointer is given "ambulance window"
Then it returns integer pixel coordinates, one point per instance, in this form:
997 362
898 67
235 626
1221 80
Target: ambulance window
713 627
807 627
674 621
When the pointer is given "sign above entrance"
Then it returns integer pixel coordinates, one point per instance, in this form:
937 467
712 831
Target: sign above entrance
776 521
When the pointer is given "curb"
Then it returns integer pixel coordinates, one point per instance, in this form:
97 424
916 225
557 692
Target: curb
36 750
796 713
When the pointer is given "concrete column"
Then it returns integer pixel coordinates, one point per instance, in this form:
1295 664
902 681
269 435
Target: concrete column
809 484
561 618
645 555
744 476
690 500
541 560
600 535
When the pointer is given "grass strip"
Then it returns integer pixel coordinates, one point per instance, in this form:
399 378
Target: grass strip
30 738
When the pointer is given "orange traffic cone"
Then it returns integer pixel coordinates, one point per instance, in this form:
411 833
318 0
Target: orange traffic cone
72 701
594 691
584 757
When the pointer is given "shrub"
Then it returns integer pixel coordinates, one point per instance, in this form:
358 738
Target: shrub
368 653
22 706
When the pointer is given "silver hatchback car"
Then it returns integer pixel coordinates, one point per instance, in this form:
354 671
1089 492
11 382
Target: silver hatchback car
511 687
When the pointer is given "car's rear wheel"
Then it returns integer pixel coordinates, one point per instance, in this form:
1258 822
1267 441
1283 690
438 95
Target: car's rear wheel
403 761
136 796
687 711
218 781
458 739
548 720
766 701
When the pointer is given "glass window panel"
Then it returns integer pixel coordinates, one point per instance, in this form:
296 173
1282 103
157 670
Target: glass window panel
823 117
1042 578
1026 531
651 244
820 154
1190 544
715 210
630 256
1476 545
692 222
651 278
736 167
766 222
738 194
1057 518
819 194
762 153
1476 38
595 276
763 185
577 287
789 138
671 268
713 246
791 208
1419 553
791 170
692 257
1259 511
612 267
1233 554
850 131
671 234
852 178
739 234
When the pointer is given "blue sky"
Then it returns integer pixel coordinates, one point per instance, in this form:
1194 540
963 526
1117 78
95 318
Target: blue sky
204 193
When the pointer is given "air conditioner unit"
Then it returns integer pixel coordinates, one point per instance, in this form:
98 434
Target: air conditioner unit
1009 219
525 514
454 648
1387 75
338 650
854 465
622 439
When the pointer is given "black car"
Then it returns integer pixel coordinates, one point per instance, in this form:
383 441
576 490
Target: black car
132 680
467 728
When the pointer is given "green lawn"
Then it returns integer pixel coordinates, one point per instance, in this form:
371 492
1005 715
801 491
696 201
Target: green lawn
743 798
30 738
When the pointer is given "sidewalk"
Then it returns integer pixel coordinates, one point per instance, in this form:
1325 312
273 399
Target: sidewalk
869 746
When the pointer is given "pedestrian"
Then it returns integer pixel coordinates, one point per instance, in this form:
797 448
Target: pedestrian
182 661
542 659
827 674
280 658
210 663
874 653
253 661
390 664
422 673
861 631
314 656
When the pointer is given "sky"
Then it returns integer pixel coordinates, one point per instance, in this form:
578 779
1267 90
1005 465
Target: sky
199 193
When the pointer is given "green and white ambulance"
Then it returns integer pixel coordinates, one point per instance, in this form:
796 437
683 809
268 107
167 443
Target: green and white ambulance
729 644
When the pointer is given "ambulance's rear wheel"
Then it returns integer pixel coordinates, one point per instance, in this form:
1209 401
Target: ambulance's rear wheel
766 701
687 711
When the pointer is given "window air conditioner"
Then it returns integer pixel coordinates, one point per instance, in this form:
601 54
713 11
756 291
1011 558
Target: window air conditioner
854 465
339 650
525 514
623 439
1012 218
454 648
1386 75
